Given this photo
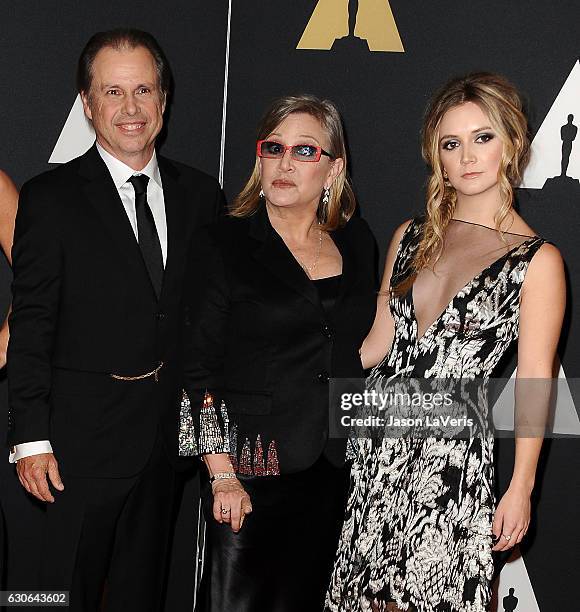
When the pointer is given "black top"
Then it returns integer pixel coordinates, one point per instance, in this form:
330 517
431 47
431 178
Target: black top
258 337
328 291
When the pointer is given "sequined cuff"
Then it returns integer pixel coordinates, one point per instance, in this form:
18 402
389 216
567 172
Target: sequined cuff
187 437
263 464
213 428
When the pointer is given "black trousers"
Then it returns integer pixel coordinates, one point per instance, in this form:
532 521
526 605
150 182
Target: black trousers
106 539
282 558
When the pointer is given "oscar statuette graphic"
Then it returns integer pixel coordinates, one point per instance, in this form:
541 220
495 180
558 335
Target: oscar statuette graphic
351 25
510 601
568 134
513 590
555 158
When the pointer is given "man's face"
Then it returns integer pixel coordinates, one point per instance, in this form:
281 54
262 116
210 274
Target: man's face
125 104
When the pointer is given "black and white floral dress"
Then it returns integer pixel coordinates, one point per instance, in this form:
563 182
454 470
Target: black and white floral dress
417 528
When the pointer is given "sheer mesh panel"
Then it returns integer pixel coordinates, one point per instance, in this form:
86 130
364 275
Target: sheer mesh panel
469 250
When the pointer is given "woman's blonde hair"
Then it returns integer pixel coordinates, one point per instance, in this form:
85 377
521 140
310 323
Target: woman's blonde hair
342 203
502 103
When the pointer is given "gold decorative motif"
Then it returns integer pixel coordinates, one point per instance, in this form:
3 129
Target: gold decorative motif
370 22
154 373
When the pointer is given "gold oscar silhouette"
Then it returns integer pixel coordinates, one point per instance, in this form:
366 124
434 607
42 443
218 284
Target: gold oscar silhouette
352 24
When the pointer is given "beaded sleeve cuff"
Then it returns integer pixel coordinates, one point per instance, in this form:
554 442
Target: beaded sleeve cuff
209 433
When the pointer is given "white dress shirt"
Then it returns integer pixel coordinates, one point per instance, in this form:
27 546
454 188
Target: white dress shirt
120 173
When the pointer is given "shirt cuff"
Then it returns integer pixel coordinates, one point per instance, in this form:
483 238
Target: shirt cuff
27 449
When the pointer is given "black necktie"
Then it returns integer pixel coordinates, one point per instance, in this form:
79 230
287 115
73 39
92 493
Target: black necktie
147 233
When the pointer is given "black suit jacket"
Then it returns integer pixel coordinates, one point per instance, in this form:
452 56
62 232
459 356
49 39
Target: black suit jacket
84 307
259 339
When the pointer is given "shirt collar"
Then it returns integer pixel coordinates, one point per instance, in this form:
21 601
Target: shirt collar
121 173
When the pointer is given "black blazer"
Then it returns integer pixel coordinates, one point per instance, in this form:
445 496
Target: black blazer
84 307
259 339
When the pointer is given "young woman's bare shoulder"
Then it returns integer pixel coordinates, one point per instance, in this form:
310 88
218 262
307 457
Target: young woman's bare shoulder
8 195
398 233
546 266
519 226
6 183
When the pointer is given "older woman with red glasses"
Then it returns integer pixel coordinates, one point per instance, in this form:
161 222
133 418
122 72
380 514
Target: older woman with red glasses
282 295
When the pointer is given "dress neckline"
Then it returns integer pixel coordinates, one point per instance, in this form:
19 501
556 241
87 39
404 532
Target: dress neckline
493 228
463 289
326 278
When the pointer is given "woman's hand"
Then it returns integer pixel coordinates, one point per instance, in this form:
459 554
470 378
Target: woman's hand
512 518
231 503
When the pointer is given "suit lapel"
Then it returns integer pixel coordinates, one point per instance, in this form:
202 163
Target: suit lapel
174 196
101 193
275 256
348 278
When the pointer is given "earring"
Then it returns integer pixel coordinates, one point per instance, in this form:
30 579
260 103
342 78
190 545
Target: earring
326 195
261 196
446 181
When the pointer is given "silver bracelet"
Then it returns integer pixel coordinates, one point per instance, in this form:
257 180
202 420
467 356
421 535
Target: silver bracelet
222 476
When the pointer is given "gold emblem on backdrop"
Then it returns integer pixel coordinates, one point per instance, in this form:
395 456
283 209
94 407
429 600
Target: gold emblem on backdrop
368 24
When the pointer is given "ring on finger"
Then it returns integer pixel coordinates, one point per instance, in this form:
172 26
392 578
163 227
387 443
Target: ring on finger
507 537
225 511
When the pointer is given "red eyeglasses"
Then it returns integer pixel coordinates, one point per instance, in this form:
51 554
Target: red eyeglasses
270 149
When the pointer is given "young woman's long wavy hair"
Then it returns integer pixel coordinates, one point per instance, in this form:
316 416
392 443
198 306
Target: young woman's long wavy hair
503 105
342 203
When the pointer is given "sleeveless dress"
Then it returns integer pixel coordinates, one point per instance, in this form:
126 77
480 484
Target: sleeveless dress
418 521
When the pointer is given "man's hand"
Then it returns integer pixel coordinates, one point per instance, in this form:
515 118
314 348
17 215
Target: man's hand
32 475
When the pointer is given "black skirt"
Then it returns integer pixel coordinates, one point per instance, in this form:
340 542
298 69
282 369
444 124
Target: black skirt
281 559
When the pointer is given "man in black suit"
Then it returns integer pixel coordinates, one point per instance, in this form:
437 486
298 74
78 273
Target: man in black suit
94 359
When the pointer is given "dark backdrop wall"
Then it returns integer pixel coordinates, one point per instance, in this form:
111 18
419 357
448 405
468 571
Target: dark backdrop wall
229 59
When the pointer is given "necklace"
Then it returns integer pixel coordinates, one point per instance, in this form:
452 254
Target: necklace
311 268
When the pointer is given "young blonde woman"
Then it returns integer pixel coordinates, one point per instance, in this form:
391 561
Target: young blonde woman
461 285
